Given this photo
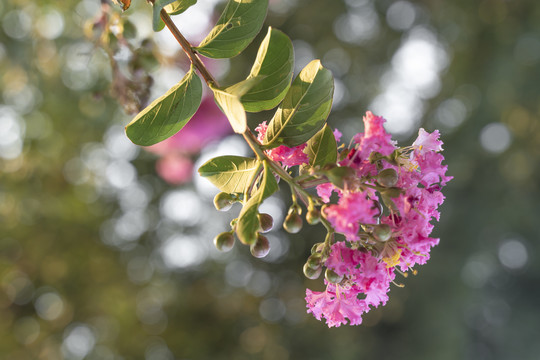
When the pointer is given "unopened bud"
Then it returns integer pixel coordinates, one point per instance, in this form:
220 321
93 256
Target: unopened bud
388 177
292 223
392 192
382 232
223 201
261 247
314 261
313 216
224 241
267 222
318 247
312 273
332 277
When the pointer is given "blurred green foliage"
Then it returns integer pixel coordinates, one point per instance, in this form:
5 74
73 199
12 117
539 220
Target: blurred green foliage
86 269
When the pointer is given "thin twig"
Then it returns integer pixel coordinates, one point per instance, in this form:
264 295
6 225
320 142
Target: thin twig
186 46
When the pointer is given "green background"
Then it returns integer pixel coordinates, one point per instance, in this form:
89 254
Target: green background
82 224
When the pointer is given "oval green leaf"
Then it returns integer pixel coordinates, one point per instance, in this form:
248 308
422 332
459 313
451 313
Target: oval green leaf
275 61
238 25
248 221
179 6
322 148
168 114
230 174
229 102
304 109
157 23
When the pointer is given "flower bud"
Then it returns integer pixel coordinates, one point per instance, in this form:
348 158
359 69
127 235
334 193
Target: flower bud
267 222
261 247
332 277
314 261
382 232
318 247
313 216
223 201
388 177
392 192
292 223
312 273
224 241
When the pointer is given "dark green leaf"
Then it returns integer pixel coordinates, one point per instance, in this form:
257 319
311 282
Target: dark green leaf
230 174
248 222
304 109
275 61
238 25
168 114
322 148
157 23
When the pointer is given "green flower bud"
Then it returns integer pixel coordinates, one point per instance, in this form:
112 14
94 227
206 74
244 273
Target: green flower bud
223 201
267 222
314 261
392 192
317 248
388 177
332 276
313 216
382 232
292 223
224 241
261 247
312 273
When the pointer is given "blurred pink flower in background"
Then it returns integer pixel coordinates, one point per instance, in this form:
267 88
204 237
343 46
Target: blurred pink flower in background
207 125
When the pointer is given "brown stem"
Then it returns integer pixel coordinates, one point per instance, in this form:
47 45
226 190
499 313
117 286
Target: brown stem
186 46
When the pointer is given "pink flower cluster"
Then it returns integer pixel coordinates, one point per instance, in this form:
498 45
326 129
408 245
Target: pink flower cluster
368 263
366 283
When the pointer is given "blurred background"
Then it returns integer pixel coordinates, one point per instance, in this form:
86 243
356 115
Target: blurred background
106 248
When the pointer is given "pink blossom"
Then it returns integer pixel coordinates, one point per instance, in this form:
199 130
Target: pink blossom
428 142
337 135
363 274
284 154
174 168
352 209
325 191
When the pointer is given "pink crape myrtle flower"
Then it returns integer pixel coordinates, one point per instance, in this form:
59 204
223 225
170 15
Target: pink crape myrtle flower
352 209
366 283
207 125
411 206
284 154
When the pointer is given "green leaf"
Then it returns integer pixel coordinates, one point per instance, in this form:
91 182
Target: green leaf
268 183
229 102
248 222
179 6
304 109
238 25
275 61
157 23
322 148
168 114
230 174
231 106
